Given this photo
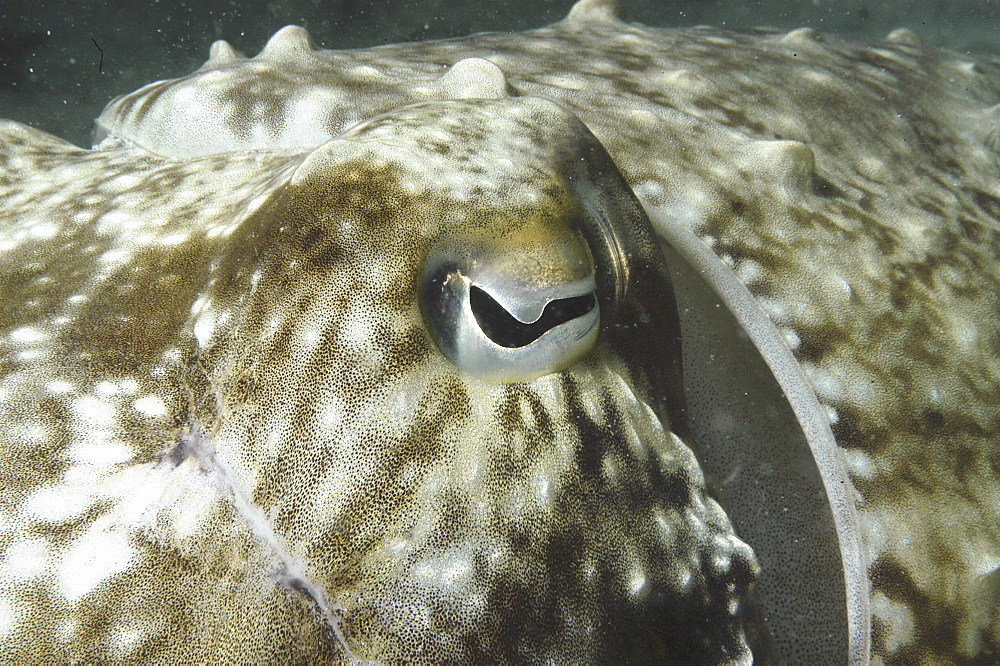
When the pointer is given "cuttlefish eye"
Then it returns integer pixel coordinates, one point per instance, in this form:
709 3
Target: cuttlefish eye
513 307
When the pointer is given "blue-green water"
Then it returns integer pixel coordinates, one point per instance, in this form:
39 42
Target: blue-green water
52 77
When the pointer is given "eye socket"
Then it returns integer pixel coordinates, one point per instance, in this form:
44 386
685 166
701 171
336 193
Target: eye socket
497 327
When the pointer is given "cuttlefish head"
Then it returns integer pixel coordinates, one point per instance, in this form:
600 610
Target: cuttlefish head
446 367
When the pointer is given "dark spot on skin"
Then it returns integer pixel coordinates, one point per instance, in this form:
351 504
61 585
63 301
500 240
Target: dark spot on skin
299 586
822 187
988 203
568 584
867 202
906 283
932 421
936 621
322 247
407 350
966 464
178 453
854 430
255 102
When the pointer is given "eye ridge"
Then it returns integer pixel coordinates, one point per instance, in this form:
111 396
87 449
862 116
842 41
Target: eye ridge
504 329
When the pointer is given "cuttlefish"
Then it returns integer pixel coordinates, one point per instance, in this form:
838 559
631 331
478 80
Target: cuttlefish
592 342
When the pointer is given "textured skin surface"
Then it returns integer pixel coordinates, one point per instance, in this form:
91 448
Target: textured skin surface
266 408
201 344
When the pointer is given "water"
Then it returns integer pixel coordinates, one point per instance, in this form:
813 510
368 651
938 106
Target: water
60 64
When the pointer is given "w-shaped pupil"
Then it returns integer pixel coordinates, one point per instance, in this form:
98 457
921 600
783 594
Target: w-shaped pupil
504 329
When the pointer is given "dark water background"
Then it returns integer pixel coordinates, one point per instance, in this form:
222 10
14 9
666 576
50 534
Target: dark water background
51 75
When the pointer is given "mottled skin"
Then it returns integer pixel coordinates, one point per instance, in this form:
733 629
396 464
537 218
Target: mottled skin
273 384
228 434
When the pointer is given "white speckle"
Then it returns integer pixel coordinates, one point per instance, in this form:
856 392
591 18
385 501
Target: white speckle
100 455
105 388
987 564
451 569
173 239
964 332
542 486
843 285
683 579
721 562
31 431
357 329
8 617
825 384
114 255
27 334
637 582
791 338
897 620
609 469
309 334
695 522
43 231
776 310
124 181
59 387
199 304
256 203
203 327
593 407
96 413
65 631
116 218
664 527
93 558
58 504
150 405
77 298
127 638
860 463
749 272
649 189
170 357
24 559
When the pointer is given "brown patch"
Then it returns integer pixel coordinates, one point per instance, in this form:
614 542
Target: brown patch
936 622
